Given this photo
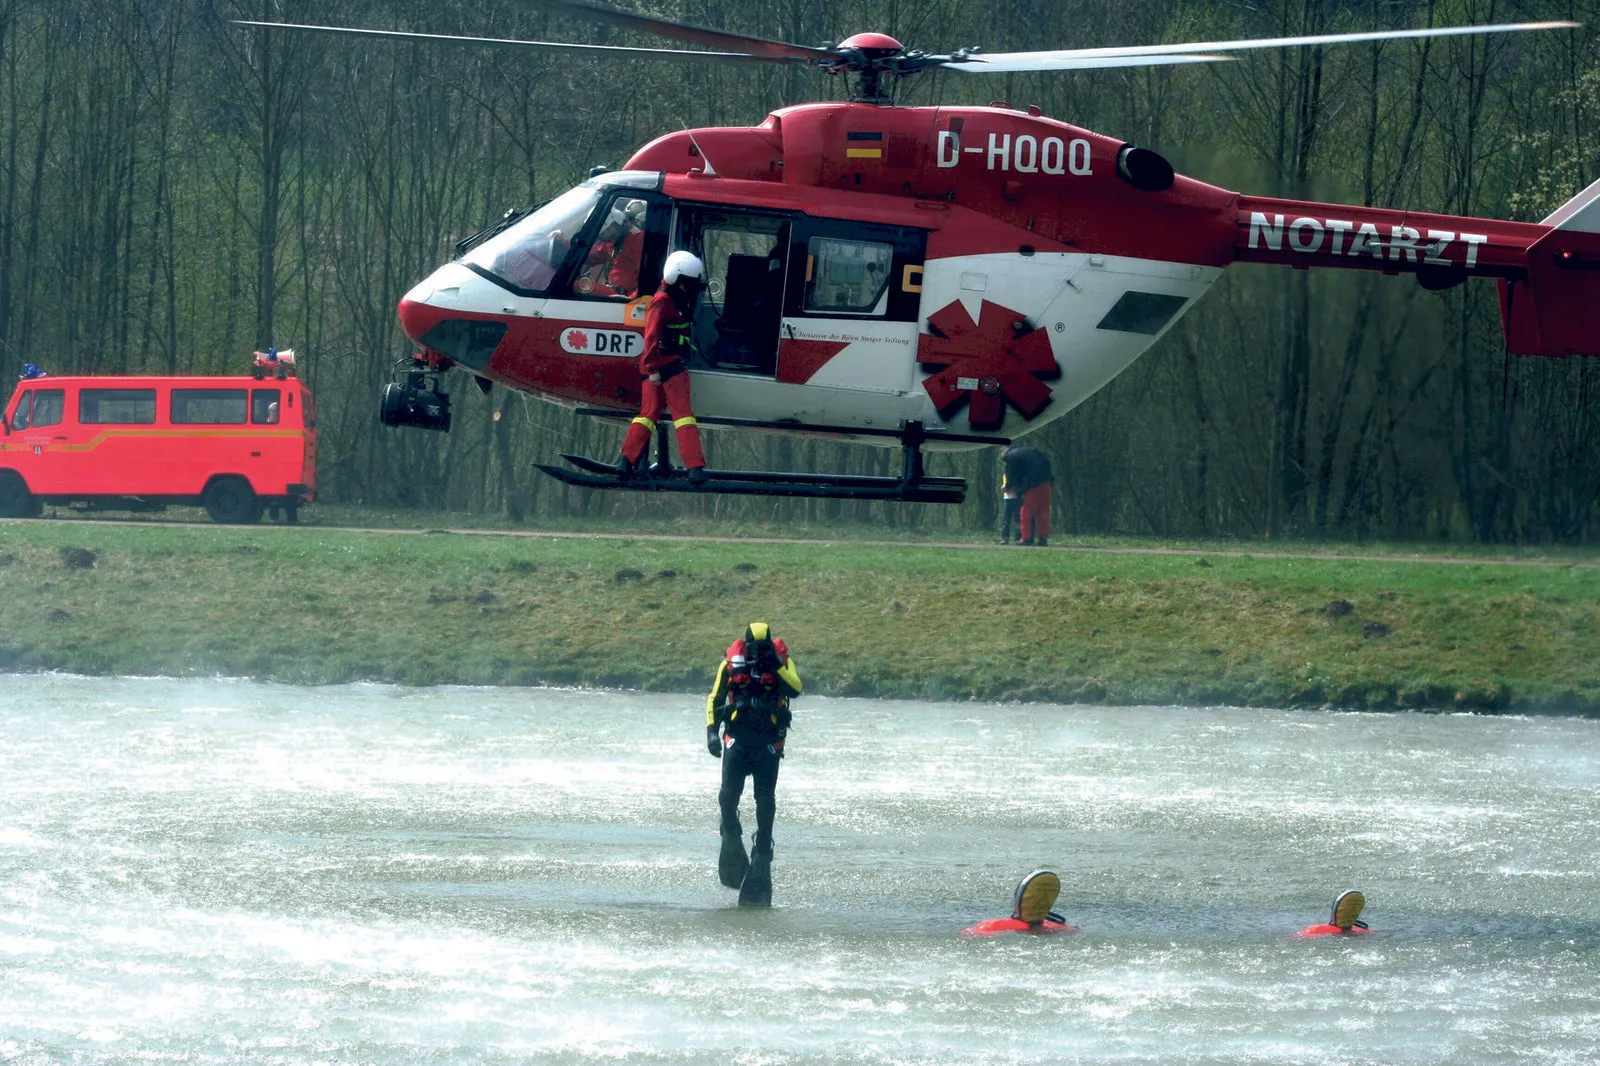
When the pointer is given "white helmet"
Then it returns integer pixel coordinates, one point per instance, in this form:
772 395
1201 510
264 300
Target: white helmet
683 265
635 212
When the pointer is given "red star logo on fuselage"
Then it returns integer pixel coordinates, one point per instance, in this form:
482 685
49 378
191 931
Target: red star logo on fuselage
986 364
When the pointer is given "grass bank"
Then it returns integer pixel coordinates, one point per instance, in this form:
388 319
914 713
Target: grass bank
312 605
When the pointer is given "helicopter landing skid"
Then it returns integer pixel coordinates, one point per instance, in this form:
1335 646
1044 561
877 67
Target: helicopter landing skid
913 486
592 473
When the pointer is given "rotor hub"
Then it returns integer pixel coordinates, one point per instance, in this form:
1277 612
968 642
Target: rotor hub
872 45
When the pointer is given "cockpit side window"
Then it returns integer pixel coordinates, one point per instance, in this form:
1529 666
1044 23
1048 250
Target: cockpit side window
528 257
613 262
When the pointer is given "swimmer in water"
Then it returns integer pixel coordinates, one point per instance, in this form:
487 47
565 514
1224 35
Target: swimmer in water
1344 919
1030 911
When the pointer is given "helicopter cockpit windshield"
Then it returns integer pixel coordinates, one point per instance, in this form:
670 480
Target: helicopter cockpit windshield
528 255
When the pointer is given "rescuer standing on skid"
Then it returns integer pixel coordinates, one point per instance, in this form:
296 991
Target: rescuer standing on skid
747 719
664 366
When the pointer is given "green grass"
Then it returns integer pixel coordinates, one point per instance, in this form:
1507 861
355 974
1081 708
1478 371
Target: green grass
314 605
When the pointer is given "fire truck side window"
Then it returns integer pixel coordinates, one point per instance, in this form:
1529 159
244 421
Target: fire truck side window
126 407
264 406
49 407
19 417
208 407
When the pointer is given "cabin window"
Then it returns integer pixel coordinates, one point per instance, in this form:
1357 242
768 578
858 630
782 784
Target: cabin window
117 407
208 407
264 406
39 408
1142 312
49 407
847 277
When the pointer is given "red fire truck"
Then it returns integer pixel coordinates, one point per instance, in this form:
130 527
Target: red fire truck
236 446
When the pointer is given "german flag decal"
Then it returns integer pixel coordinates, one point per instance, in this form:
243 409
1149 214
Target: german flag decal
864 146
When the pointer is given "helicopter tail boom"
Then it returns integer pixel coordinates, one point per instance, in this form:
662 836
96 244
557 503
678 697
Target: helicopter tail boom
1549 272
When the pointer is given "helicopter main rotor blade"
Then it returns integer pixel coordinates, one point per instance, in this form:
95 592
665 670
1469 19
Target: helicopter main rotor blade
503 42
1013 62
685 32
1088 58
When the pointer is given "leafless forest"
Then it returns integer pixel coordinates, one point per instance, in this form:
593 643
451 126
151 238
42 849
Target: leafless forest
176 190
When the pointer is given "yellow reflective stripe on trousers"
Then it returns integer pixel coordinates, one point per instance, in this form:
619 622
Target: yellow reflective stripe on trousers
679 423
645 422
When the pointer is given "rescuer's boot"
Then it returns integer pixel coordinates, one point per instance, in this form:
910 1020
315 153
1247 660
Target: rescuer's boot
625 468
756 891
697 475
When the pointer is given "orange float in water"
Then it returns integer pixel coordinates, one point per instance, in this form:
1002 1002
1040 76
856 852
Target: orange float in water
1030 911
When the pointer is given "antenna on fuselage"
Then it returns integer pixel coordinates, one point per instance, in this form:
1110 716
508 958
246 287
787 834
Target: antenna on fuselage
709 170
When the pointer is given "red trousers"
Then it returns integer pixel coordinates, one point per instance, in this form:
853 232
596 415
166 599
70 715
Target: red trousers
1035 513
672 394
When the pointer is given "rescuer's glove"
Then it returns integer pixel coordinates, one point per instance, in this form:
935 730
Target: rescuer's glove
714 741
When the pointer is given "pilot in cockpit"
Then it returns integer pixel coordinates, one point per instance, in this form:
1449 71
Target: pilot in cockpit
612 265
532 263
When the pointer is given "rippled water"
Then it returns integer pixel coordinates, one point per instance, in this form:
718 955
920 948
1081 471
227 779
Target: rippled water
222 871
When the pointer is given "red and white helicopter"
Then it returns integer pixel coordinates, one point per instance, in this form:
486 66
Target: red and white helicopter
942 276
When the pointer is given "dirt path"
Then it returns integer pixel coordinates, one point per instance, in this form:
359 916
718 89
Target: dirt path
1234 553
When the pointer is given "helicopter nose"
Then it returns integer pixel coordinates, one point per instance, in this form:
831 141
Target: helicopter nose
416 317
432 299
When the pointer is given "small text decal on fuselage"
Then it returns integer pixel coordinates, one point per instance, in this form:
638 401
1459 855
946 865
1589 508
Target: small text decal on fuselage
581 340
1026 154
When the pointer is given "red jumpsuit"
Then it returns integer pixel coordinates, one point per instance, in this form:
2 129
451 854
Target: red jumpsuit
623 277
620 260
666 352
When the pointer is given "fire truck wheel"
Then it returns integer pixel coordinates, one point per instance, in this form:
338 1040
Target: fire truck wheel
231 501
15 499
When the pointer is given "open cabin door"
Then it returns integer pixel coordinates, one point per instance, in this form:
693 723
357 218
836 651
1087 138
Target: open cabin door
851 305
747 258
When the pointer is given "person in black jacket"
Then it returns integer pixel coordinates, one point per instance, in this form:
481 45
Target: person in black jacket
1028 471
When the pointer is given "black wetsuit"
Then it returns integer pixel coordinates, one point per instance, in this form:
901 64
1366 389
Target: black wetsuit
750 755
753 738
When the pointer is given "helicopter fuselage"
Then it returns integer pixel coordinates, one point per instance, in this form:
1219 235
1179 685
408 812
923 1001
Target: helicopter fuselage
981 270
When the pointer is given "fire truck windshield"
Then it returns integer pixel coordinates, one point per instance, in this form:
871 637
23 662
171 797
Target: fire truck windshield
528 255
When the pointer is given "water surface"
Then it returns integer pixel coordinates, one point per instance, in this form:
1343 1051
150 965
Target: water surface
223 871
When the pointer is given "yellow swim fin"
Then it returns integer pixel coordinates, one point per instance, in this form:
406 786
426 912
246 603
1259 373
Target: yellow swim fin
1035 897
1347 908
